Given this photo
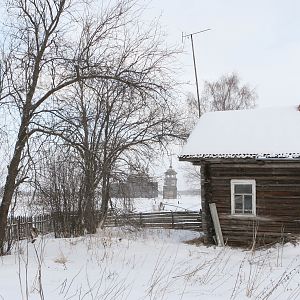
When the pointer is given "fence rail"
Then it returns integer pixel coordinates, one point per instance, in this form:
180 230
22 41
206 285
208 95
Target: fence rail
18 228
172 220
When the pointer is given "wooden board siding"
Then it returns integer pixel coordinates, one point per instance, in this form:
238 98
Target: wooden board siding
277 199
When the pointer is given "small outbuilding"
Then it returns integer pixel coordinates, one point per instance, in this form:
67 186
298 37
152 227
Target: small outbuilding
250 168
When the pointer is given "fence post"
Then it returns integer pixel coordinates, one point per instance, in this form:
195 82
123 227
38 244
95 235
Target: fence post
141 221
172 219
29 226
43 220
18 227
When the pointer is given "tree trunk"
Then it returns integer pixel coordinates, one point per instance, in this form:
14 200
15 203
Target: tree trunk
90 221
10 183
104 201
9 189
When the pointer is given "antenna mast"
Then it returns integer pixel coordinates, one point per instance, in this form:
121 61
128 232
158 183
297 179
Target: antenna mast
194 60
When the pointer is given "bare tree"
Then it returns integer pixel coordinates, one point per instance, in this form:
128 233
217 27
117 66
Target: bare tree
226 93
59 187
52 45
111 125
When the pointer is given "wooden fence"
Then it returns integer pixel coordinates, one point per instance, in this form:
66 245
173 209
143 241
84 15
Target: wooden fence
172 220
18 228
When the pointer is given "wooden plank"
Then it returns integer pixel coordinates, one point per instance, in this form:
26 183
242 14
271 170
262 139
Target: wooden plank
177 220
215 218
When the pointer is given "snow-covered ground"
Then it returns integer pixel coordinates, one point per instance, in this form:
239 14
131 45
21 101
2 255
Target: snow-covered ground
182 203
148 264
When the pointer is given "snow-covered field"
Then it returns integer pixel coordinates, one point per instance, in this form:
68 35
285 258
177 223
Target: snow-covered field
147 264
182 203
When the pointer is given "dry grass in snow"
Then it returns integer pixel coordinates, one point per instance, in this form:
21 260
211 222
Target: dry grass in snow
146 264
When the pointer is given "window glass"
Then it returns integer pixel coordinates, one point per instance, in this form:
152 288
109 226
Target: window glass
238 199
243 188
248 204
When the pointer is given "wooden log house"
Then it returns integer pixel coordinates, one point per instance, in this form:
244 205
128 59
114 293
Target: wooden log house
250 168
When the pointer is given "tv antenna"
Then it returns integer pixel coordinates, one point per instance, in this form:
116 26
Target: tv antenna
190 35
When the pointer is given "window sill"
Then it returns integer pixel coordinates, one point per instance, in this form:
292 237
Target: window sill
248 217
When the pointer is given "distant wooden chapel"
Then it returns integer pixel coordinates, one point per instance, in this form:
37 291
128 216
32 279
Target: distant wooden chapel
170 184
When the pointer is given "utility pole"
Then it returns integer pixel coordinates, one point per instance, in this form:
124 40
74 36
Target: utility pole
195 68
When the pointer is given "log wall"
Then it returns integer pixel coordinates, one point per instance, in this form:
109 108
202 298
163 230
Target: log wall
277 200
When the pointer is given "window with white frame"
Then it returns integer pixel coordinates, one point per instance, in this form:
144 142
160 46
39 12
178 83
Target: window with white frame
243 197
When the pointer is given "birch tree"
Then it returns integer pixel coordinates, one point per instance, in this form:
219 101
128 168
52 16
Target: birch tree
225 93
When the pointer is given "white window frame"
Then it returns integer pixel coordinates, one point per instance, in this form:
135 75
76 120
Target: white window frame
233 182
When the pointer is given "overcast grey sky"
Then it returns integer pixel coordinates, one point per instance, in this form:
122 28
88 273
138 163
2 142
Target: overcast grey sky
260 40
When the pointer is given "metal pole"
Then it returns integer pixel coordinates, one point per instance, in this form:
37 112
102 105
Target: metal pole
195 68
196 77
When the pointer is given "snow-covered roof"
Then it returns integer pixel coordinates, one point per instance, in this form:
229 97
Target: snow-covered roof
256 133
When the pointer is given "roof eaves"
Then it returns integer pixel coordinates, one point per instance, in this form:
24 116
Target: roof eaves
262 156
